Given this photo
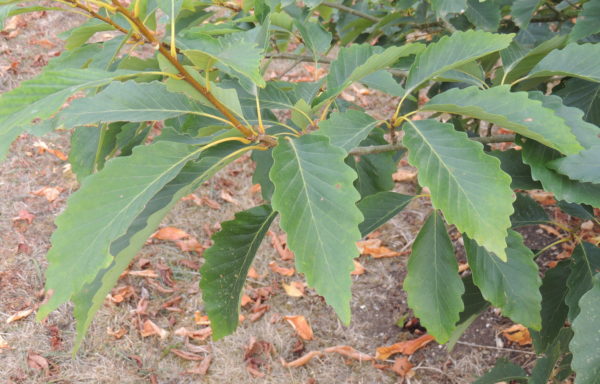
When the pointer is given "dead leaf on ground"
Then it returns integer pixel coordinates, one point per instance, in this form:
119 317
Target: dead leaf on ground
257 355
38 362
200 319
404 175
405 347
517 334
24 215
190 245
170 234
201 334
226 195
543 197
151 329
402 367
551 230
246 300
50 193
144 273
300 324
118 334
19 315
373 248
302 360
350 352
121 294
202 368
279 242
3 344
281 270
295 289
187 355
358 268
253 274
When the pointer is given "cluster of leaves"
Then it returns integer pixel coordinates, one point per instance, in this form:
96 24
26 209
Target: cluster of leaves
326 171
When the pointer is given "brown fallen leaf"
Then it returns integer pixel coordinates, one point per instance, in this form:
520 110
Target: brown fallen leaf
517 334
255 188
253 274
151 329
295 289
302 360
358 268
551 230
350 352
404 175
121 294
373 248
19 315
201 334
187 355
3 344
24 215
38 362
543 197
226 195
50 193
118 334
405 347
402 367
170 234
202 368
301 326
281 270
279 244
144 273
190 245
246 300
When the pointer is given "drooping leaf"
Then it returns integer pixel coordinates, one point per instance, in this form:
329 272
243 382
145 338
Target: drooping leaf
503 370
377 209
586 264
102 210
537 156
465 183
316 200
512 110
432 284
588 21
90 298
512 286
451 52
561 63
527 212
474 304
227 263
554 309
43 96
584 95
483 14
129 101
522 11
586 341
511 162
347 129
583 166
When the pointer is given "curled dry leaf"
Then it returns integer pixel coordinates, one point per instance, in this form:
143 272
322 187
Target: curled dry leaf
170 234
121 294
373 248
302 360
300 324
281 270
38 362
404 175
24 215
187 355
118 334
350 352
405 347
358 268
200 319
252 274
19 315
202 368
50 193
144 273
151 329
225 195
295 289
3 344
201 334
402 367
246 300
543 197
517 334
279 243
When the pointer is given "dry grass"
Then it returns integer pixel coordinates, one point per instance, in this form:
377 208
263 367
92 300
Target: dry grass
378 300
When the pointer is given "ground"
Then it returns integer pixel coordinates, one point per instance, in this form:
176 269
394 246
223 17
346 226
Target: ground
34 186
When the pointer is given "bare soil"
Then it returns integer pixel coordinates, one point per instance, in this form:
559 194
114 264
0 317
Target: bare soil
378 300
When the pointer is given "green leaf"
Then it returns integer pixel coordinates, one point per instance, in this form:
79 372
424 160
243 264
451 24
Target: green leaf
315 37
101 211
583 166
587 134
347 129
385 82
92 295
465 183
504 370
522 11
537 156
584 95
512 286
232 53
129 101
80 35
588 21
451 52
226 267
583 211
483 14
474 304
448 6
586 264
377 209
432 284
43 96
511 162
554 309
511 110
586 342
264 162
561 63
527 212
316 200
544 365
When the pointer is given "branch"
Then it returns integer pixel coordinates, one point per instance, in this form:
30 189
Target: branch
351 11
360 151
